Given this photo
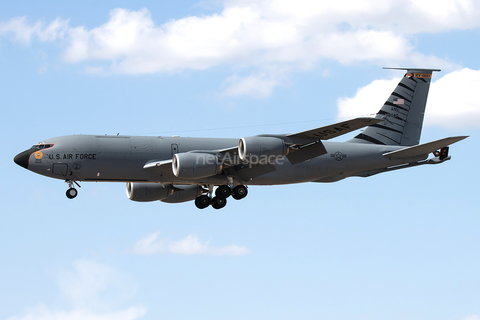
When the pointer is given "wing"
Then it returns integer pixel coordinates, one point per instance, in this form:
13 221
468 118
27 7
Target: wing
331 131
308 144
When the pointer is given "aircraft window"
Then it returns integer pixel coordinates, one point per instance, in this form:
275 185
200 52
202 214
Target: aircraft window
42 146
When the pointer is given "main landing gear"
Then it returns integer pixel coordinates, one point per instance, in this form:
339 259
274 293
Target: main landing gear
71 192
221 195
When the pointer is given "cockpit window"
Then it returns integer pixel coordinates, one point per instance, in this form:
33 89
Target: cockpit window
41 146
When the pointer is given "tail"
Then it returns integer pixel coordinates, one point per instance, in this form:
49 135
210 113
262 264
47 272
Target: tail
402 113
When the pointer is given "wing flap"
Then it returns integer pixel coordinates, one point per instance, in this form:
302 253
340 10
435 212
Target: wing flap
423 149
307 152
331 131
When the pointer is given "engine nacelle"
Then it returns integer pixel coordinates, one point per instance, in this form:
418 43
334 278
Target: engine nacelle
144 192
195 165
183 193
261 150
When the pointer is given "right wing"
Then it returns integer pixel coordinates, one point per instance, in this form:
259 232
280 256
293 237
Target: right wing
331 131
308 144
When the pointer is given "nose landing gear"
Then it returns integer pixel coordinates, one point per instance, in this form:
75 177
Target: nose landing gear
71 192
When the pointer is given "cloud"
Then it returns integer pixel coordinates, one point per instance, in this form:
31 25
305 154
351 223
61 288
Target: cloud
259 85
247 34
367 100
452 100
264 35
94 285
255 33
23 32
93 291
151 244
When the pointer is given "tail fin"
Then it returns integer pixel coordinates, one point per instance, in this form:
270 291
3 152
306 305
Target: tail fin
402 113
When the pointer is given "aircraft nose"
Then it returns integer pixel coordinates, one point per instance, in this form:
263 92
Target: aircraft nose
22 158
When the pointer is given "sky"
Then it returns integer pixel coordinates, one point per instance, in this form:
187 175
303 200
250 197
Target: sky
400 245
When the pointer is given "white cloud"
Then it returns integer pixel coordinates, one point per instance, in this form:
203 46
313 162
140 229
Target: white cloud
94 291
259 85
252 33
441 15
452 100
472 317
94 285
151 244
263 34
23 32
246 34
367 100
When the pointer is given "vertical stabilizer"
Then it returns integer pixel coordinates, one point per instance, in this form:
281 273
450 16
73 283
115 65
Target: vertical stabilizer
402 113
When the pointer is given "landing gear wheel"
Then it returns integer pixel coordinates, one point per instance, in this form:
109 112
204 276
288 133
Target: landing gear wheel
72 193
223 191
239 192
219 203
202 201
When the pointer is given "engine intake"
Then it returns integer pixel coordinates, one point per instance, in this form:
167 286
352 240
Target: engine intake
195 165
261 150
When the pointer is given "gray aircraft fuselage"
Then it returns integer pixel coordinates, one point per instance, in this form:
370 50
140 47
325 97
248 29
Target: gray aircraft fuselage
121 159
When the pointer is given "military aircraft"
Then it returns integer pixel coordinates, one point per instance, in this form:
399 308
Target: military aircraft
178 169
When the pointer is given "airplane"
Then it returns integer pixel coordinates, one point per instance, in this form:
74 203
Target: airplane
179 169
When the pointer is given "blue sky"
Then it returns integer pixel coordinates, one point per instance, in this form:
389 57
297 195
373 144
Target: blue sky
402 245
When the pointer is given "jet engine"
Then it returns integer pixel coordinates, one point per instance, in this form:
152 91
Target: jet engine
144 192
261 150
195 165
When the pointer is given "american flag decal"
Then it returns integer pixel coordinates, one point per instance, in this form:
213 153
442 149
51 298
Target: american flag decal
399 101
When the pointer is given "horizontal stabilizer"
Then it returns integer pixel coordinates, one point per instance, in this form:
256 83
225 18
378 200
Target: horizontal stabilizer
423 149
331 131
